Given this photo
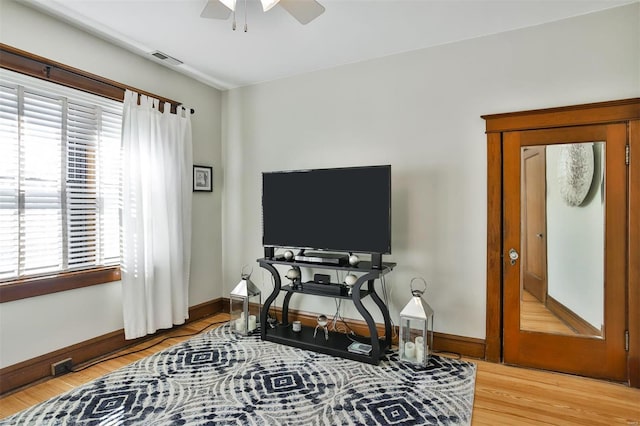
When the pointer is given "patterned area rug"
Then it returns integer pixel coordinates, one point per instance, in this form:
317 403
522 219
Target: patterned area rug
219 379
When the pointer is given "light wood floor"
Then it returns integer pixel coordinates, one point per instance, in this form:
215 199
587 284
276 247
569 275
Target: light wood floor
504 395
536 317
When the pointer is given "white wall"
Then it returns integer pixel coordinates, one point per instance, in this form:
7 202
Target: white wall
35 326
420 112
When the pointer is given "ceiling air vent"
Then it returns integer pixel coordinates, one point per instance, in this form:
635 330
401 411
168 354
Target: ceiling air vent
166 58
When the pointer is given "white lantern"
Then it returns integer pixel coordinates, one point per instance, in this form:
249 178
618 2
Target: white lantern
416 329
246 303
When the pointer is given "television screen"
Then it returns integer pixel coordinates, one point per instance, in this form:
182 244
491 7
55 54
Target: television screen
342 209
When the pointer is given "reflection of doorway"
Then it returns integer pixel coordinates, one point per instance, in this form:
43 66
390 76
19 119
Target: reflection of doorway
534 224
564 276
616 354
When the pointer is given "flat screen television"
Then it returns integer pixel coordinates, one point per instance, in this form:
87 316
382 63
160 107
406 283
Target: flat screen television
340 209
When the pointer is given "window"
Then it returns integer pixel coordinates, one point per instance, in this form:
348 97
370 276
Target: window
59 179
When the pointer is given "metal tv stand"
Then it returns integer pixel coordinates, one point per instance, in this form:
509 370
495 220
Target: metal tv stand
337 343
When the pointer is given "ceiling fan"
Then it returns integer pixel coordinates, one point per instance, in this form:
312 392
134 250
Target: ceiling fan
304 11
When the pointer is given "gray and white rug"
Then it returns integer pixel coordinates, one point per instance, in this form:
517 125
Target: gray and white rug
217 378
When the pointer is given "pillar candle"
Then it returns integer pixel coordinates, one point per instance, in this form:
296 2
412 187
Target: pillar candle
240 325
409 350
252 322
420 349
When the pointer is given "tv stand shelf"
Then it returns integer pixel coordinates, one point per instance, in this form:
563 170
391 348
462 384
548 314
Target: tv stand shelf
329 293
363 266
337 343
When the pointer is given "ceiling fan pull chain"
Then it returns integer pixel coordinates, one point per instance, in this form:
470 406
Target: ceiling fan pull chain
233 24
245 16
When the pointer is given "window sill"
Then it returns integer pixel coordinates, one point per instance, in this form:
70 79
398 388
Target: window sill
32 287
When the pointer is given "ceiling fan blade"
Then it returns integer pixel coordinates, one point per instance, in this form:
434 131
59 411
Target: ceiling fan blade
268 4
215 10
304 11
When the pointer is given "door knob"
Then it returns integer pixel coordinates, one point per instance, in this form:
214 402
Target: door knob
539 235
513 256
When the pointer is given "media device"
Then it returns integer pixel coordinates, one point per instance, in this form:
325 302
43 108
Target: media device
359 348
340 209
328 258
322 278
326 289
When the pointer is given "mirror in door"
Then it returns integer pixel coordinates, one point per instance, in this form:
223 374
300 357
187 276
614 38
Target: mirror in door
562 239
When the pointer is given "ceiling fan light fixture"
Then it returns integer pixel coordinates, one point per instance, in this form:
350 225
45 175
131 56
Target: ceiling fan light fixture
304 11
231 4
268 4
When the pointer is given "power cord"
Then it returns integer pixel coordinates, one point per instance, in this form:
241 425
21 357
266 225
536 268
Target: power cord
455 355
84 367
346 329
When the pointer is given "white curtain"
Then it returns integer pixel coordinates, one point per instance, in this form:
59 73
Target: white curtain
156 216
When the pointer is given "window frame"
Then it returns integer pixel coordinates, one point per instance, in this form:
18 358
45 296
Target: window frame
36 66
38 286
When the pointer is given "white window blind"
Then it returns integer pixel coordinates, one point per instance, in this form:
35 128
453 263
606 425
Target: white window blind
59 178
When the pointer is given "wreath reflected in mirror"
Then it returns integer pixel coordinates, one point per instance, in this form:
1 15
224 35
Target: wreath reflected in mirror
575 172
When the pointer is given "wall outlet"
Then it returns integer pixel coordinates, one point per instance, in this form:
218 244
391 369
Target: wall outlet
61 367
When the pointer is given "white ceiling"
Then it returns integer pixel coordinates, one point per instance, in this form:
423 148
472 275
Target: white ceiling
277 46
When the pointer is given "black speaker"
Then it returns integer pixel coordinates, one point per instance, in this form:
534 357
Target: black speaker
269 252
321 278
376 261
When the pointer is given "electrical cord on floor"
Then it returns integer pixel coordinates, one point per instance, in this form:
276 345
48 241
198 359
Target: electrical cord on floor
84 367
455 355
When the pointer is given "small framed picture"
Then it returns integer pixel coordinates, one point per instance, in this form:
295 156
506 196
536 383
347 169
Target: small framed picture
202 178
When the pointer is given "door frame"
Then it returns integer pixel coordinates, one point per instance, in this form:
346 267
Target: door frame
627 111
539 152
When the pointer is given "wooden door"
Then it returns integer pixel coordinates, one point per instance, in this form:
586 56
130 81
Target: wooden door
601 356
534 224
